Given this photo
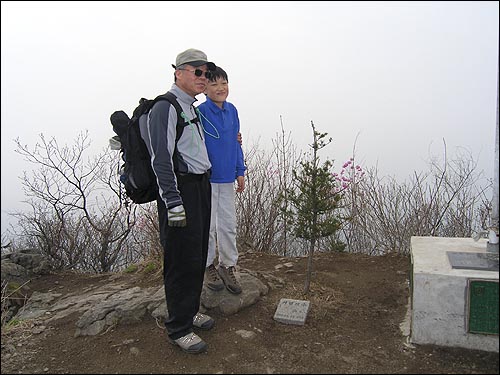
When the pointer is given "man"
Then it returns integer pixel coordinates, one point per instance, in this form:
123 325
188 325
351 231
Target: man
184 200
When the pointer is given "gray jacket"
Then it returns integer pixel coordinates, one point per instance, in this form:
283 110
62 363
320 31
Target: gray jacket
158 129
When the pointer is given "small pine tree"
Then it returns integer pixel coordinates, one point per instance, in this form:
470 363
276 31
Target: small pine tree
313 200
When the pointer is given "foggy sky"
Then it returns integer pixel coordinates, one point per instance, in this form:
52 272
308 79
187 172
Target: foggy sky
399 76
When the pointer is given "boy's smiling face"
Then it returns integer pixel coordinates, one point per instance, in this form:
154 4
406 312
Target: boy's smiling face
217 90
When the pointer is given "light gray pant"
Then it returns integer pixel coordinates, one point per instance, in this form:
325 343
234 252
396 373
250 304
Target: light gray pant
223 225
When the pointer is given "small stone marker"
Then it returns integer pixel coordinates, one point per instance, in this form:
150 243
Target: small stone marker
292 311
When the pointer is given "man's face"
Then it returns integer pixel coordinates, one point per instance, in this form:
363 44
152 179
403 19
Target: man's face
192 80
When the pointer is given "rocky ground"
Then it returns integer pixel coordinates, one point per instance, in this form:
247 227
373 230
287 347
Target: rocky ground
357 323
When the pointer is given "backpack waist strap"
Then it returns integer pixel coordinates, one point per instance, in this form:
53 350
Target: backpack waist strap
192 176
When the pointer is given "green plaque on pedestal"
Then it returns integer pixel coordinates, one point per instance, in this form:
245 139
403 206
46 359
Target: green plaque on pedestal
483 307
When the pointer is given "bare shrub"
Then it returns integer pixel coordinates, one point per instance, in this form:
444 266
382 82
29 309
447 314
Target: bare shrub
145 235
261 221
378 215
79 219
257 206
446 201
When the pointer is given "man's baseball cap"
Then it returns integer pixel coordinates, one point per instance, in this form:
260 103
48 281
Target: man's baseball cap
193 57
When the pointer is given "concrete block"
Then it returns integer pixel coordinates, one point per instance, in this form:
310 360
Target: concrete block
439 292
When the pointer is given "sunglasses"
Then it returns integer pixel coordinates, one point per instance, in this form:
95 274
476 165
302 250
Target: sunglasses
199 72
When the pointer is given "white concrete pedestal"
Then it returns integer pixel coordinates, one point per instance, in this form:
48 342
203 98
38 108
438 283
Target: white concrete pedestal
439 308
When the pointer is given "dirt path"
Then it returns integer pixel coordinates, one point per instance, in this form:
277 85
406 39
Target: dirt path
357 306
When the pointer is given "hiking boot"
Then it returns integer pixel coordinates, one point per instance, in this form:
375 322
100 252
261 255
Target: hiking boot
203 321
229 278
191 343
213 279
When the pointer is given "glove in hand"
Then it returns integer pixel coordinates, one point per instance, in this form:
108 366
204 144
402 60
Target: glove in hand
176 216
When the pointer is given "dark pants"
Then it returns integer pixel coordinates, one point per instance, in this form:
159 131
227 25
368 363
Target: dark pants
185 253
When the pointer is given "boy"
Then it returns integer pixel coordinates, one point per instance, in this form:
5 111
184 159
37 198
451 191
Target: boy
221 124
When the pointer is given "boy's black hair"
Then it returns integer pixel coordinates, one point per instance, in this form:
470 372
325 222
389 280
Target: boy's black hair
218 73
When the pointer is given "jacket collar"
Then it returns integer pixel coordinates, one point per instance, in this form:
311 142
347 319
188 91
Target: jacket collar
214 107
181 95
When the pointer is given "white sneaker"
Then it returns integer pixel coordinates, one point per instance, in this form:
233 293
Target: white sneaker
191 343
203 321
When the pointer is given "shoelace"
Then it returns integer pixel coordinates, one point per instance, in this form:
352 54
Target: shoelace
230 271
198 319
213 273
188 338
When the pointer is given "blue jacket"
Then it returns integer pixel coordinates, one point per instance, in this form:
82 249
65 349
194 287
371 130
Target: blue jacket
221 127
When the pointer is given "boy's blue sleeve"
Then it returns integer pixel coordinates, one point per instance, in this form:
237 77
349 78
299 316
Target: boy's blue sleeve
240 160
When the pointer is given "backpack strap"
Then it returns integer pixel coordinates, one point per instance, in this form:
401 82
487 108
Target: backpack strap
181 123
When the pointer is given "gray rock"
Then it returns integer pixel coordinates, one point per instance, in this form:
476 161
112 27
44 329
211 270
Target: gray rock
112 303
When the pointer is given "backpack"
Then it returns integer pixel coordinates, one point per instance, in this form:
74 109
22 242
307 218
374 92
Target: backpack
136 173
